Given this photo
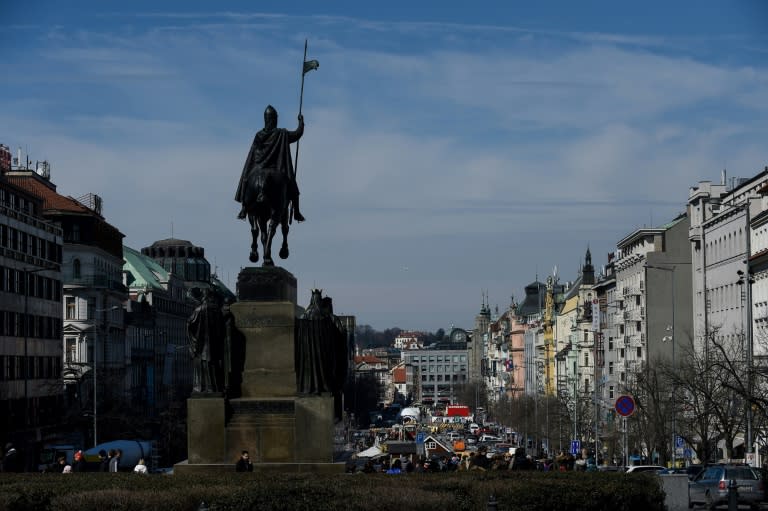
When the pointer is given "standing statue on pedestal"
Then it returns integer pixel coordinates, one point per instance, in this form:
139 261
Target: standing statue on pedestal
267 191
206 331
321 352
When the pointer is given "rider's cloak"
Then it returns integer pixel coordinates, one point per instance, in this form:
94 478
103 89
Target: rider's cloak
270 150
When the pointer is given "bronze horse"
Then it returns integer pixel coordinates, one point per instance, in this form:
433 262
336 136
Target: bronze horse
266 205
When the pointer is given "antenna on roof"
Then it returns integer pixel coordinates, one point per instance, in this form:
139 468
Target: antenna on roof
171 228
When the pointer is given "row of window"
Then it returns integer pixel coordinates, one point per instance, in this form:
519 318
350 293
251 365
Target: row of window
456 377
16 367
437 358
443 368
39 286
40 327
29 244
16 202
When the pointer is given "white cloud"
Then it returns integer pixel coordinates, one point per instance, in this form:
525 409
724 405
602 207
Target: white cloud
475 169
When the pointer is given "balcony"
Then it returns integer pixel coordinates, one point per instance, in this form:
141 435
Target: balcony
93 281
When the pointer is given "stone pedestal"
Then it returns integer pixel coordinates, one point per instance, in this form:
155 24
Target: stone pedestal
205 422
281 430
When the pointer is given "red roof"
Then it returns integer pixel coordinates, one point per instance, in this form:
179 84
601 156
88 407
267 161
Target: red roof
398 375
51 199
369 359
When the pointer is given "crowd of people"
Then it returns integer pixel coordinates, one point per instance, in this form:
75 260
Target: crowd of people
481 459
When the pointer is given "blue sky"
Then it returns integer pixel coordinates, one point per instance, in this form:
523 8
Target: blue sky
448 151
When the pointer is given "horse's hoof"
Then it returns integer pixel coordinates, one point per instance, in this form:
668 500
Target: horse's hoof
284 253
254 257
268 262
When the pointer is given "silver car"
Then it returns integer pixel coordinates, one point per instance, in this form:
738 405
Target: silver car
710 487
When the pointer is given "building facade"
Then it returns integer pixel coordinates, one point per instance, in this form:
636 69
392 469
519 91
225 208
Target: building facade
31 394
93 333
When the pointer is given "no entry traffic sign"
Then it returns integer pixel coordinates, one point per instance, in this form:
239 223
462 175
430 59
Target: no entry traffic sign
625 406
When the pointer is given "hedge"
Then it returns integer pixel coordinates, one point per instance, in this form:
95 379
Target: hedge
460 491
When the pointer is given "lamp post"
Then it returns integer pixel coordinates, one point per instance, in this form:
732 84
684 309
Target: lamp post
747 280
671 338
95 356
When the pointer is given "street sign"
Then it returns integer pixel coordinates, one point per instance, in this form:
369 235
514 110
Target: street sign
688 453
679 442
420 437
575 447
625 406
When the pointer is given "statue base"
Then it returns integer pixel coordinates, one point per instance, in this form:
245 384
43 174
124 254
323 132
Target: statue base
281 430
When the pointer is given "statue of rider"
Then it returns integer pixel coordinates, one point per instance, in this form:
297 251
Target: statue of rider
270 152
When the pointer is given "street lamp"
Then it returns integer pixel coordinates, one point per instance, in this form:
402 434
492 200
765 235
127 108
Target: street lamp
671 338
95 351
748 280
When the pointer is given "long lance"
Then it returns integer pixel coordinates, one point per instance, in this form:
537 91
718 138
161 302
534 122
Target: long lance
301 103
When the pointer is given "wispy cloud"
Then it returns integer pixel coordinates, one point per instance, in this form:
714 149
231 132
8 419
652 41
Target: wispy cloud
475 166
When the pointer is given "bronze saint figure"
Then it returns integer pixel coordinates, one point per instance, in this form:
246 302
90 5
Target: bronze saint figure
321 352
205 329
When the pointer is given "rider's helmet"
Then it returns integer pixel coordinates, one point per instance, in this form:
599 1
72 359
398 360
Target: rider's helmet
270 117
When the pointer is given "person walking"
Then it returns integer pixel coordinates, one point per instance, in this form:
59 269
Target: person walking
114 460
11 461
103 461
79 462
244 463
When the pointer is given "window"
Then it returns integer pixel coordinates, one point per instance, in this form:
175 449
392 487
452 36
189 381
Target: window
621 353
70 350
639 352
586 358
638 326
91 312
610 392
76 268
610 368
623 377
70 307
431 445
610 343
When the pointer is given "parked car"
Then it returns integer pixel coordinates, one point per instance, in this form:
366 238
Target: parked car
471 439
710 487
487 437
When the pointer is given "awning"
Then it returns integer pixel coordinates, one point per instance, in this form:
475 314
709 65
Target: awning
370 452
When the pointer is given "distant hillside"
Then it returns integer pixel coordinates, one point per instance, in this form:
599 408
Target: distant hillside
368 337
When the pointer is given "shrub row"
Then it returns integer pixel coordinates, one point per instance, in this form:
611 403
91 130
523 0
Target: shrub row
461 491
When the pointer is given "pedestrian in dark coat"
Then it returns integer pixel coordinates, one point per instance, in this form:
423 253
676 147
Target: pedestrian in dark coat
11 461
79 462
244 463
103 461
